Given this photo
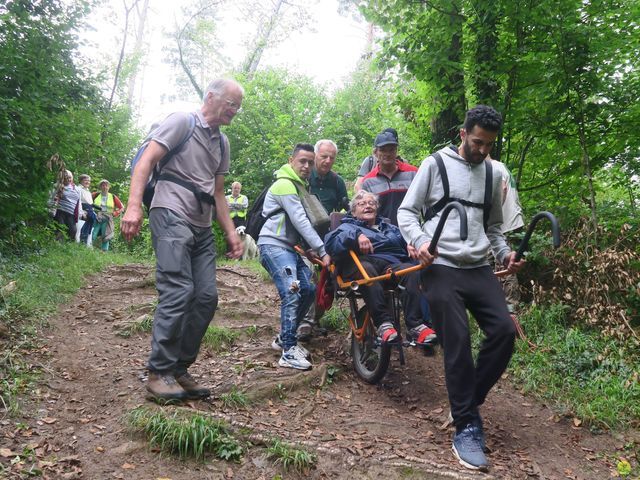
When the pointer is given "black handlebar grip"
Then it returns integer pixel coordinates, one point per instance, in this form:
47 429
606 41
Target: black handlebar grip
555 232
443 219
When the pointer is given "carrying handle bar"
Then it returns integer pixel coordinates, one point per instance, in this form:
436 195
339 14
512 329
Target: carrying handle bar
555 232
524 245
443 218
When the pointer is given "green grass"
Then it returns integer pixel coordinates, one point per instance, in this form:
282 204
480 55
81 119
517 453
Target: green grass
219 339
336 318
290 457
43 280
234 399
579 371
140 326
185 435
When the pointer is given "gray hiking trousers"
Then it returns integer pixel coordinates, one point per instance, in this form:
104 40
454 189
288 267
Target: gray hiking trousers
187 293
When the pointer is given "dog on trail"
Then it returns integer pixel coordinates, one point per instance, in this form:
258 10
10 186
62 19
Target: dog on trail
249 247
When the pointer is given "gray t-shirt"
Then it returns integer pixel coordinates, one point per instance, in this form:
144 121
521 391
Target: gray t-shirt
198 161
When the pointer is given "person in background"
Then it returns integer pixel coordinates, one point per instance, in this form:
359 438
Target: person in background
238 205
66 199
389 180
370 162
324 183
88 216
107 206
331 190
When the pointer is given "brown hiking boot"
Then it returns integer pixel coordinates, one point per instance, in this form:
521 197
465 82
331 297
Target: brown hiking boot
194 391
164 388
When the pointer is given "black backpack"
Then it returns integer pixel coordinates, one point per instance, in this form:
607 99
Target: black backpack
313 208
255 220
432 211
150 187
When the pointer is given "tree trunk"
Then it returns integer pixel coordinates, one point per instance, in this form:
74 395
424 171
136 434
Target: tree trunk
445 125
586 164
127 11
261 42
137 51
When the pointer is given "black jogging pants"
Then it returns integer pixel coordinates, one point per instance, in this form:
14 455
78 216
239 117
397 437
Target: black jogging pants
450 293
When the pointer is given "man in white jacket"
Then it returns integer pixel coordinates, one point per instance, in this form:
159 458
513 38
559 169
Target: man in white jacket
460 278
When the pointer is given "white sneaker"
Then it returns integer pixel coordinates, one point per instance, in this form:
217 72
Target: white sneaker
277 346
295 358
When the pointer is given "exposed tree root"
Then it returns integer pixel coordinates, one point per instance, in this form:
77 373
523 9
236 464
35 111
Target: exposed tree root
274 387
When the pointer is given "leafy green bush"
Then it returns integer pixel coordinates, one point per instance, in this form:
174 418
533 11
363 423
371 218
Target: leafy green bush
582 372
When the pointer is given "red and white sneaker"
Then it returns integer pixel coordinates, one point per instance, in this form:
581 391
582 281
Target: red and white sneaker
423 335
387 333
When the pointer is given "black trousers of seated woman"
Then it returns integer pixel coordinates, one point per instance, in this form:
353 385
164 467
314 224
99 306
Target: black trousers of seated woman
374 296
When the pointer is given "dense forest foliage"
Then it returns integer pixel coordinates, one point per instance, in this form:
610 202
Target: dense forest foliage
565 75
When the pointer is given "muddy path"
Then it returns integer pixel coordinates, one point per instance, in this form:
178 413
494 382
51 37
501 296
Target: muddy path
92 376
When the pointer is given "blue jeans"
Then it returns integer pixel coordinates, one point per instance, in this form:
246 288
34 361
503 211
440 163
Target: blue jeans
293 281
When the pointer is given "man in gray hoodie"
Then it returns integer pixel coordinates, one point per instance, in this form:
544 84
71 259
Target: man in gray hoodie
460 278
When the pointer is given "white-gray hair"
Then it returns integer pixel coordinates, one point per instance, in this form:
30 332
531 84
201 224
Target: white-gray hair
319 143
360 196
219 86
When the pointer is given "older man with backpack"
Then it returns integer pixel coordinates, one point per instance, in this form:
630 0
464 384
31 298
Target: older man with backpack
189 158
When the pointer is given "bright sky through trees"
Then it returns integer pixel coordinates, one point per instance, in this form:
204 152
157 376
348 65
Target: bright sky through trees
326 48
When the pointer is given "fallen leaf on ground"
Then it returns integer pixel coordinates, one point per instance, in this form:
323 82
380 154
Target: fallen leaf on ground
6 453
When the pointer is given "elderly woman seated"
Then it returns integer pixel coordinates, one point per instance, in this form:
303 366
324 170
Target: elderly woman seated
380 247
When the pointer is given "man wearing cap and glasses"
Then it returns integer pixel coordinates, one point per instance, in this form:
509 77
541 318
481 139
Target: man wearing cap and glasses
391 178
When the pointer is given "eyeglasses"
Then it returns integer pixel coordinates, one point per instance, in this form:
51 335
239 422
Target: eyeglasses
364 203
233 105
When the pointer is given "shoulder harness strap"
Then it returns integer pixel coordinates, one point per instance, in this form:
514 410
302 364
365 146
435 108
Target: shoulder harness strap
433 210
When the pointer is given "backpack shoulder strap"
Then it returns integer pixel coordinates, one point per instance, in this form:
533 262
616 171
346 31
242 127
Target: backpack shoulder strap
433 210
488 192
222 147
178 147
371 162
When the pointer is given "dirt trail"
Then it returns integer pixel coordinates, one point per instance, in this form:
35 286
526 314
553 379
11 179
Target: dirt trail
395 430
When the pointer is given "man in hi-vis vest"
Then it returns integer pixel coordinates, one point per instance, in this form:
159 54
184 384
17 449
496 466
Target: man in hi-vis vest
238 205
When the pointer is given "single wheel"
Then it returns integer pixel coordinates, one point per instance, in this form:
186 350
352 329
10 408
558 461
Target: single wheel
370 358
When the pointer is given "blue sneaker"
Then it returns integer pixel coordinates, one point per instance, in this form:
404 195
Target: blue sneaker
477 422
468 449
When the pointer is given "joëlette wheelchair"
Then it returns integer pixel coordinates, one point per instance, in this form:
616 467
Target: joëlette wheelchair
370 356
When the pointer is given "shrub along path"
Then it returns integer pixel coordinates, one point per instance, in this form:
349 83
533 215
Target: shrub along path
93 376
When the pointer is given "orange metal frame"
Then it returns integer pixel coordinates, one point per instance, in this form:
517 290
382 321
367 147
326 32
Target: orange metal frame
367 280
